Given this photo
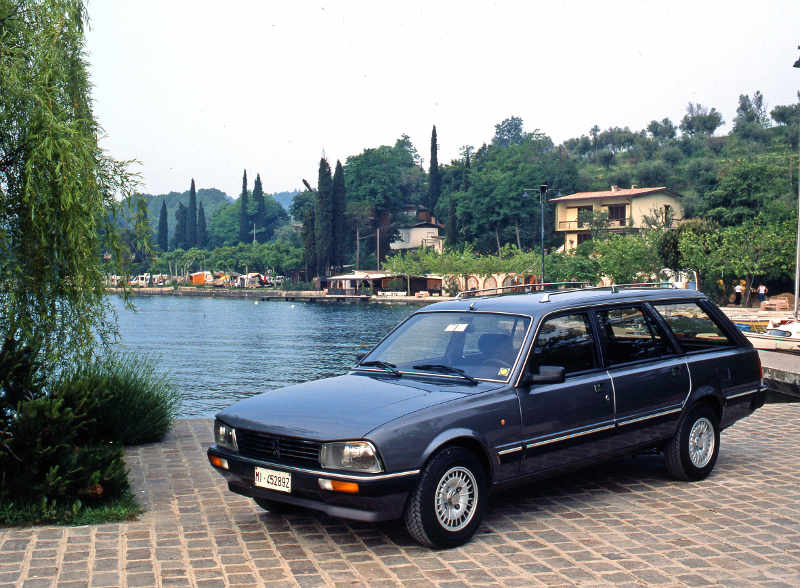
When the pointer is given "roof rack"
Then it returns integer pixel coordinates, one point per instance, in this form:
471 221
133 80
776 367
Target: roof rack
523 288
614 288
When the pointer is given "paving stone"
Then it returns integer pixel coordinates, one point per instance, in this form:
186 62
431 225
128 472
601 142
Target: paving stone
624 522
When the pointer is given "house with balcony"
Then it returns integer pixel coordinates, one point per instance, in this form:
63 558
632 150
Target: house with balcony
626 210
419 230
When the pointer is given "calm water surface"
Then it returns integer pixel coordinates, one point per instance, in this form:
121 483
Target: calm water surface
219 351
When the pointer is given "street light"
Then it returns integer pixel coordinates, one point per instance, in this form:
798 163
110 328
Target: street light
542 193
797 250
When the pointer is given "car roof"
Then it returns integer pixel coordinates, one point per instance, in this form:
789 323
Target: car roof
538 303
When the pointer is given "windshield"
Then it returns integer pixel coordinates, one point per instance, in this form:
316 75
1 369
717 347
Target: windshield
481 345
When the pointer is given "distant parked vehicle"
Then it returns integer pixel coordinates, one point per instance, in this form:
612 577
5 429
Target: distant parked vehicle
470 395
781 336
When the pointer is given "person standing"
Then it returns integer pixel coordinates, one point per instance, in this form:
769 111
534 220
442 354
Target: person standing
738 290
762 292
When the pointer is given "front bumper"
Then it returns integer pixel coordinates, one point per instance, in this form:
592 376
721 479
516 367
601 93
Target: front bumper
380 497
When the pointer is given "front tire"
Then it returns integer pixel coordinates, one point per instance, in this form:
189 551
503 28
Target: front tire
692 452
446 507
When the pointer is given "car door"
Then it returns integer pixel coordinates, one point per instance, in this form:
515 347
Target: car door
650 379
570 421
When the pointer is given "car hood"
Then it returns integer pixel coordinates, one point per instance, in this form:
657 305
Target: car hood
344 407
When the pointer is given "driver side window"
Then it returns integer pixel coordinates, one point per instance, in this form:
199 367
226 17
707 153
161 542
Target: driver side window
565 341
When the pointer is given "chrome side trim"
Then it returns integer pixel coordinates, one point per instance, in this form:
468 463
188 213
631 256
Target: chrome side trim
512 450
691 382
740 394
650 416
565 437
324 473
613 392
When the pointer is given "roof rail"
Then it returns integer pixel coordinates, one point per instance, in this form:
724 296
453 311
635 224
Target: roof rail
521 288
614 288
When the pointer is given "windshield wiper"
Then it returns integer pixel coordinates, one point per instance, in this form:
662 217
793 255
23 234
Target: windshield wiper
445 369
389 367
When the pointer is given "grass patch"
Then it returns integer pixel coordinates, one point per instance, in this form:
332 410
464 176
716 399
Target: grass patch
47 512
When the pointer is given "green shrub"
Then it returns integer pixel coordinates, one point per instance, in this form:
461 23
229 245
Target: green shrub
61 456
132 403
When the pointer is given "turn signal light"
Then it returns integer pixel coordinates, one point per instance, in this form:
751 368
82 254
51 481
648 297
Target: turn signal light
337 486
218 462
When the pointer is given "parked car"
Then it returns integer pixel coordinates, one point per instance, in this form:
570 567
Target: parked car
468 396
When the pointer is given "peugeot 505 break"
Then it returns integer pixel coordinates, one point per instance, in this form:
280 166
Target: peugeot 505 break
469 395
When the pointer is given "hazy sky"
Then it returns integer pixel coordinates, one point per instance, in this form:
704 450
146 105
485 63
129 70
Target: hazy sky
205 89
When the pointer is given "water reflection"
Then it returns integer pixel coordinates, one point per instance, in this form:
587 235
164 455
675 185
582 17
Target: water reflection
218 351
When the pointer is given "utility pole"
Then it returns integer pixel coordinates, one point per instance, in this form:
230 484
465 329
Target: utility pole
542 192
797 250
254 233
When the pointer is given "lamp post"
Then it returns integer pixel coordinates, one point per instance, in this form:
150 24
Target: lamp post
797 250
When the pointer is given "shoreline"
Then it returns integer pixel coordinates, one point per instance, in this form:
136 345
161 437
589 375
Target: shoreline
266 295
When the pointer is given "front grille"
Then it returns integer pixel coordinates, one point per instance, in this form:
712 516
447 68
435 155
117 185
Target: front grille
288 450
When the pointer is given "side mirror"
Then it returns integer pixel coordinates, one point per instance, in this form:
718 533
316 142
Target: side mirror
548 374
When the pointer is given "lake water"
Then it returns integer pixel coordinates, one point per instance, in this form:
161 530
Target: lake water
219 351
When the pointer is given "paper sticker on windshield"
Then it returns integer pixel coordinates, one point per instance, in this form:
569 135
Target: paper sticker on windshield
457 327
502 372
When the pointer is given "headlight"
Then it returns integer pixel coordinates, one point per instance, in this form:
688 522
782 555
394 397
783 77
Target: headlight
359 456
225 436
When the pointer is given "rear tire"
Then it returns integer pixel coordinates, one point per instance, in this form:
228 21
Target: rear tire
692 452
446 507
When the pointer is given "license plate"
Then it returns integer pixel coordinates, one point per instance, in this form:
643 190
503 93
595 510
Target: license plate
273 480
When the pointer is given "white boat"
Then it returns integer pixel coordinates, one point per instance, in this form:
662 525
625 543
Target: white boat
781 336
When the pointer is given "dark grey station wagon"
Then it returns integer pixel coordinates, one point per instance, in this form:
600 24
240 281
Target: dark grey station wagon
470 395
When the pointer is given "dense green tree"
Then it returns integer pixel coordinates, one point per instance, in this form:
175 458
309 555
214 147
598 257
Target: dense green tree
202 235
163 228
57 185
223 226
179 237
699 120
245 236
508 132
339 221
434 174
302 208
260 216
323 218
191 218
663 130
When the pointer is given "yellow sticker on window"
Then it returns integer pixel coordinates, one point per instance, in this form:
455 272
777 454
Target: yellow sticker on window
502 372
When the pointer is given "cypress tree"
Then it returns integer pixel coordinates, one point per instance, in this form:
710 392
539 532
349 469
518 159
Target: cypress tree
452 228
339 226
202 236
309 244
244 219
180 227
163 228
261 210
191 218
323 218
434 179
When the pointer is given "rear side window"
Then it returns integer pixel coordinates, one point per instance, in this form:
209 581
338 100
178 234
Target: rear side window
629 335
693 327
565 341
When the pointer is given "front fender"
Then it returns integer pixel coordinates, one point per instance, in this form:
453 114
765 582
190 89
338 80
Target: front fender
467 437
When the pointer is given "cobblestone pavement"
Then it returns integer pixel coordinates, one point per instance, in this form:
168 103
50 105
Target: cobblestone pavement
619 523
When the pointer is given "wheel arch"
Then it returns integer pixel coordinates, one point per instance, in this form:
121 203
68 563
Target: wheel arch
465 438
710 396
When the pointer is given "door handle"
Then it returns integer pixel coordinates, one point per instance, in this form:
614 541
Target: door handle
599 389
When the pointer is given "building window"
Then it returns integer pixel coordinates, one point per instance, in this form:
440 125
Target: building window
616 213
583 212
